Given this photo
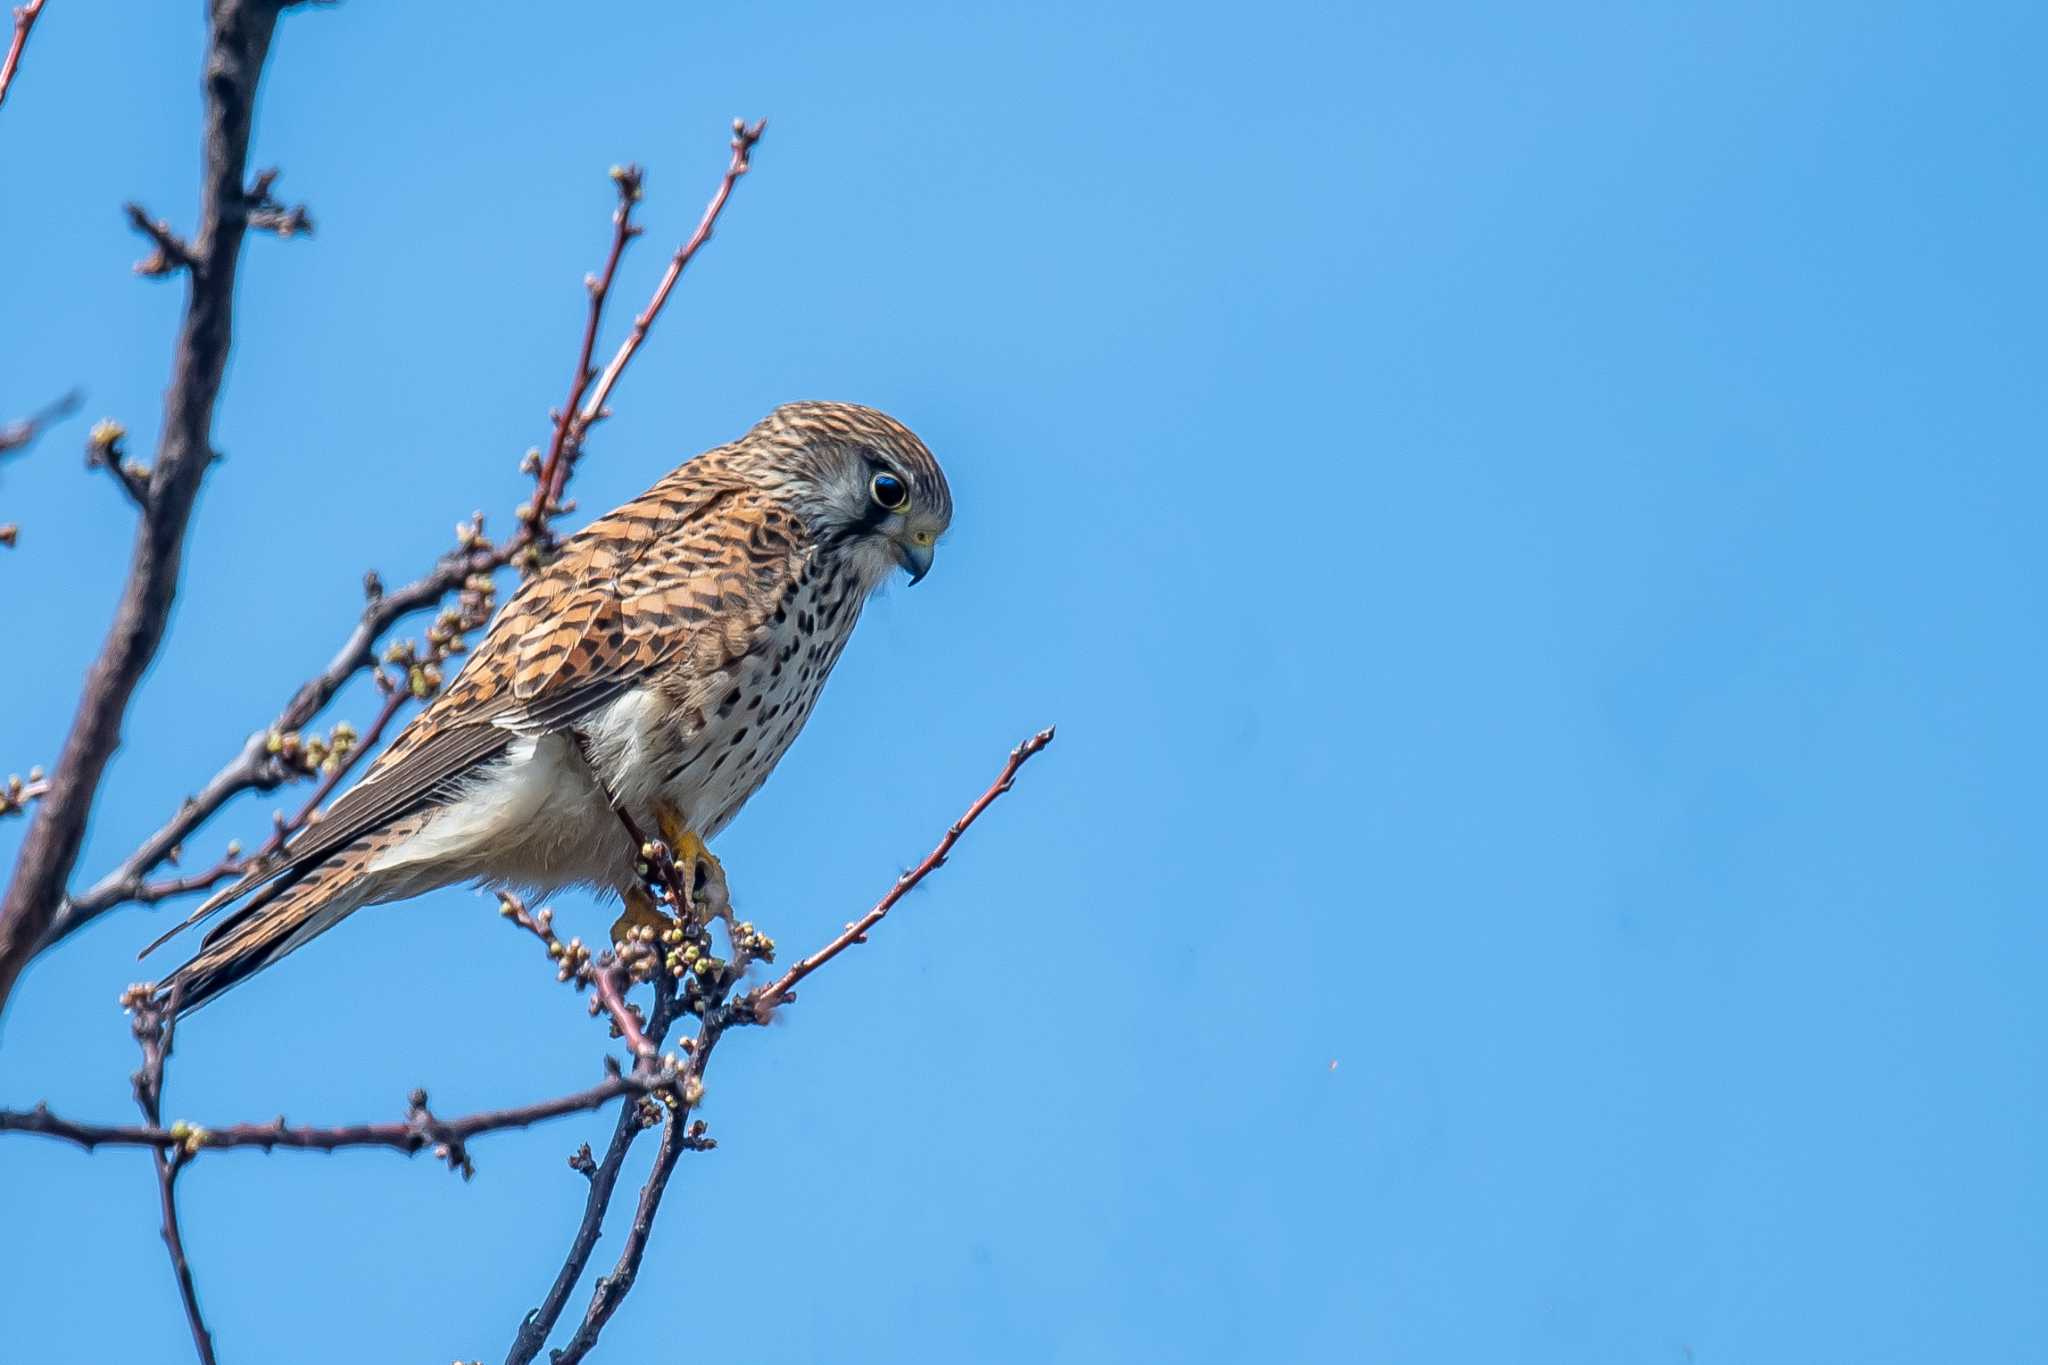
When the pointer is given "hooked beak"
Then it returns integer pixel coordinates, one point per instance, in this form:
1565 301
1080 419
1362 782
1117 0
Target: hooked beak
914 553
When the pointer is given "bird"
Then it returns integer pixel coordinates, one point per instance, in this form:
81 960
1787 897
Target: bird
659 665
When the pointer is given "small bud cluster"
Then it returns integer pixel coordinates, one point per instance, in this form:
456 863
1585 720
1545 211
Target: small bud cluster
313 755
419 666
190 1137
15 794
103 451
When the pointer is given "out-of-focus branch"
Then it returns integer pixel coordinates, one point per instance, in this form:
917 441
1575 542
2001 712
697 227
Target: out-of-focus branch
238 41
25 16
18 436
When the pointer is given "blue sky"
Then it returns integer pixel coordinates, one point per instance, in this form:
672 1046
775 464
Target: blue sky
1526 518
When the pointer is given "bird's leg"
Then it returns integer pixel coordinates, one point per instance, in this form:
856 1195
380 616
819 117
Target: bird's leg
706 892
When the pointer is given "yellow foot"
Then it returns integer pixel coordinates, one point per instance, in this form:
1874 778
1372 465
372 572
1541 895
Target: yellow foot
640 912
706 891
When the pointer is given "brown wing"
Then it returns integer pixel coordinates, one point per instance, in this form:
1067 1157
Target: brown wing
685 578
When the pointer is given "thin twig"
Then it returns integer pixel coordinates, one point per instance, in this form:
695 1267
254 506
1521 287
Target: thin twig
153 1030
628 179
743 140
685 1092
415 1134
171 254
24 20
535 1327
15 794
18 435
103 451
762 1002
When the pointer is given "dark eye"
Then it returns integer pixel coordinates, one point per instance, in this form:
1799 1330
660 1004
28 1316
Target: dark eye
888 491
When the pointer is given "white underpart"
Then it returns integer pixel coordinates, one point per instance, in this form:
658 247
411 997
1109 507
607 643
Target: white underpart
536 818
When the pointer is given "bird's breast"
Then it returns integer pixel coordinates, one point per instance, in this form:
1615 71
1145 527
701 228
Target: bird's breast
705 744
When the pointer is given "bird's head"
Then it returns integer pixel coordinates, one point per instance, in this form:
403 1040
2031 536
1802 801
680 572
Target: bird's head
864 486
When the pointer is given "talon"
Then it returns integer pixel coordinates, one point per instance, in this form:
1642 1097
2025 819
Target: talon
707 891
640 913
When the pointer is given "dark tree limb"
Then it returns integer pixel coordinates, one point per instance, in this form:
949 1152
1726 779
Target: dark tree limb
238 41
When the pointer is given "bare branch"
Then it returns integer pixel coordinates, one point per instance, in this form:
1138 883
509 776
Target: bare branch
238 42
24 19
267 214
153 1031
18 436
15 794
604 1178
103 451
682 1095
743 140
763 1002
171 254
418 1132
551 469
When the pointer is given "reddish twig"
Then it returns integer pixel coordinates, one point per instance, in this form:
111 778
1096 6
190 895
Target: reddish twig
760 1003
24 19
743 140
628 179
608 976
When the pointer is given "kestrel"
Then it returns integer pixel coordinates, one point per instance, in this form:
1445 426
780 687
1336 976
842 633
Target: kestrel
664 660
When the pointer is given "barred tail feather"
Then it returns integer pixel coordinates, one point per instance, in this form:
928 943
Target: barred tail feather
290 914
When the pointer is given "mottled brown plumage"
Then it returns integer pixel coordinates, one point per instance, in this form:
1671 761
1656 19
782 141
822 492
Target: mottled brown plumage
666 658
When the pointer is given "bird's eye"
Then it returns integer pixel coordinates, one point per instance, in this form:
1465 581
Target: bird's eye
888 491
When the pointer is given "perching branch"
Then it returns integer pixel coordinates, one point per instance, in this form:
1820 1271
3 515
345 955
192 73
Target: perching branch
25 16
238 41
706 997
686 978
